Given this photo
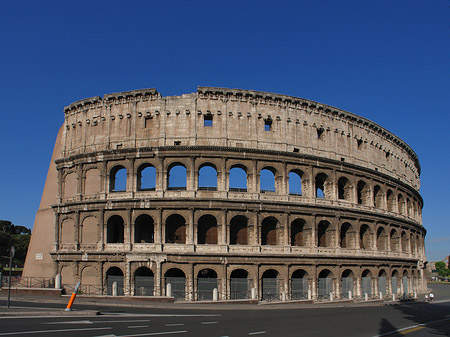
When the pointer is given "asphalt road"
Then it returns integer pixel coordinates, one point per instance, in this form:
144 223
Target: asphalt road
405 319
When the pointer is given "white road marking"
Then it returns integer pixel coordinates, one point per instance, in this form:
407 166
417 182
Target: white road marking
110 315
210 322
137 326
257 333
155 333
48 331
69 322
411 327
123 321
174 324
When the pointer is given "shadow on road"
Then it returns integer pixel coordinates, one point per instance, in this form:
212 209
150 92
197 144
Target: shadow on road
420 313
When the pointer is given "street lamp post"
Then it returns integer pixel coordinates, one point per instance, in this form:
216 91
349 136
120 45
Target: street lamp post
12 252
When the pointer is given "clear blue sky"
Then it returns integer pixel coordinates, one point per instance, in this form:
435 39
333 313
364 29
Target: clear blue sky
386 60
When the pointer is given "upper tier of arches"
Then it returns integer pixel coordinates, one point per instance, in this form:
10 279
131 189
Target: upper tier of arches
277 181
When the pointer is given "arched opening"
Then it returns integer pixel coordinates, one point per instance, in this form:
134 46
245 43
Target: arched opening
347 284
114 275
177 279
298 232
401 204
269 231
390 201
143 282
118 179
394 282
146 178
270 285
175 229
409 211
362 190
207 230
404 242
238 179
89 231
207 178
366 283
377 197
381 239
114 229
295 182
299 285
144 229
267 180
320 181
405 283
344 189
206 283
365 237
395 241
347 237
412 241
324 234
239 230
382 283
325 284
239 284
177 177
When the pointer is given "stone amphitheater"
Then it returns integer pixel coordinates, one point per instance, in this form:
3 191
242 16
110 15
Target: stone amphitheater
228 194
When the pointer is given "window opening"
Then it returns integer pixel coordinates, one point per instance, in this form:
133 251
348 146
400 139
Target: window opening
268 124
239 230
267 181
319 133
238 179
207 178
146 178
207 230
295 183
118 179
207 120
177 177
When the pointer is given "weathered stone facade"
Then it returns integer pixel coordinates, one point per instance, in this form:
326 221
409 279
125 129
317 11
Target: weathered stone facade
351 223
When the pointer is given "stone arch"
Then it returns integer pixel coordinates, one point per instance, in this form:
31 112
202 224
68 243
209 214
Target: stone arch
390 201
70 185
89 231
344 189
146 177
118 179
324 284
207 230
365 237
382 282
401 204
269 231
324 234
320 183
144 229
92 181
115 229
347 236
176 277
270 285
267 179
143 282
175 229
395 240
298 232
394 282
239 230
176 176
299 284
362 191
238 180
114 274
378 200
381 238
90 277
239 284
366 283
404 242
207 177
206 283
67 232
347 283
295 182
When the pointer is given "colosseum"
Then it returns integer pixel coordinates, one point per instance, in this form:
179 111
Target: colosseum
228 194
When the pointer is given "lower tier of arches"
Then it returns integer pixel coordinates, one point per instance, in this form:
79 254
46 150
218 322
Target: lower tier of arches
222 278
